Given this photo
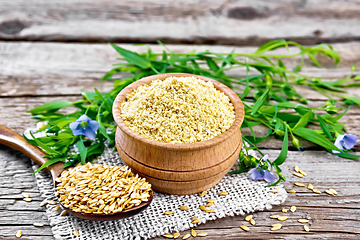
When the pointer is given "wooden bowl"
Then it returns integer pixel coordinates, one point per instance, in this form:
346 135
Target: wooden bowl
185 168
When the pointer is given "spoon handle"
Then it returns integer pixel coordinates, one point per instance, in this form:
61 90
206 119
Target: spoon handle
15 141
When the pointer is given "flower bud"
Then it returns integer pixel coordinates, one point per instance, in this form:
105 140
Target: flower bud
241 155
349 102
250 161
331 109
265 166
296 143
254 161
303 100
300 81
287 86
316 80
280 132
246 161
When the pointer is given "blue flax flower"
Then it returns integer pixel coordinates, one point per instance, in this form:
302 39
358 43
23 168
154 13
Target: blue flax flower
347 141
260 174
84 126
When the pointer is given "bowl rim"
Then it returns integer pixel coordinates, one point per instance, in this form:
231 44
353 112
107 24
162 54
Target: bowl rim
234 98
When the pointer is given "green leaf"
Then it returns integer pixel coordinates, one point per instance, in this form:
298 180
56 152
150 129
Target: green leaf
132 57
247 87
335 119
324 127
346 155
314 60
271 45
353 99
256 140
313 136
260 102
102 130
46 149
82 150
304 120
48 163
51 106
284 150
109 107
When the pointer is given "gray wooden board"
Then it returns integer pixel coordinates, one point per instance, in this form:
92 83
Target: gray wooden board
52 69
43 72
335 217
238 22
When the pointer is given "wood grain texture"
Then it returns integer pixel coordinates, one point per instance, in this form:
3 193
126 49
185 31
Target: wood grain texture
331 217
236 22
53 69
36 73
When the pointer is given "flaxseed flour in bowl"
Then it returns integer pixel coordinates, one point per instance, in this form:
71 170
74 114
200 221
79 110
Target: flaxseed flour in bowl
178 110
180 131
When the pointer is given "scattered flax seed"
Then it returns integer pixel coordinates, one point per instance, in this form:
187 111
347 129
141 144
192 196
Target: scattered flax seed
282 218
252 221
25 195
293 209
193 233
316 191
27 199
303 173
203 208
168 236
195 221
310 186
19 234
329 192
57 208
302 220
276 227
38 224
333 191
43 203
297 169
168 212
63 213
275 190
306 228
178 110
202 234
209 204
76 233
202 194
101 189
284 210
245 228
222 193
176 235
211 210
299 184
274 216
51 202
248 217
291 191
210 200
184 208
186 236
298 174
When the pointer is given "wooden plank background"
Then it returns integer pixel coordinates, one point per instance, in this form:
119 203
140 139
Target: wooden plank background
50 50
237 22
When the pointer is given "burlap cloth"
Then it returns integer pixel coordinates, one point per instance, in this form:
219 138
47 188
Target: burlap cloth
244 196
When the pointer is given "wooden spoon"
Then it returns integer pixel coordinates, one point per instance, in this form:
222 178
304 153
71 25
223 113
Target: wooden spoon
13 140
